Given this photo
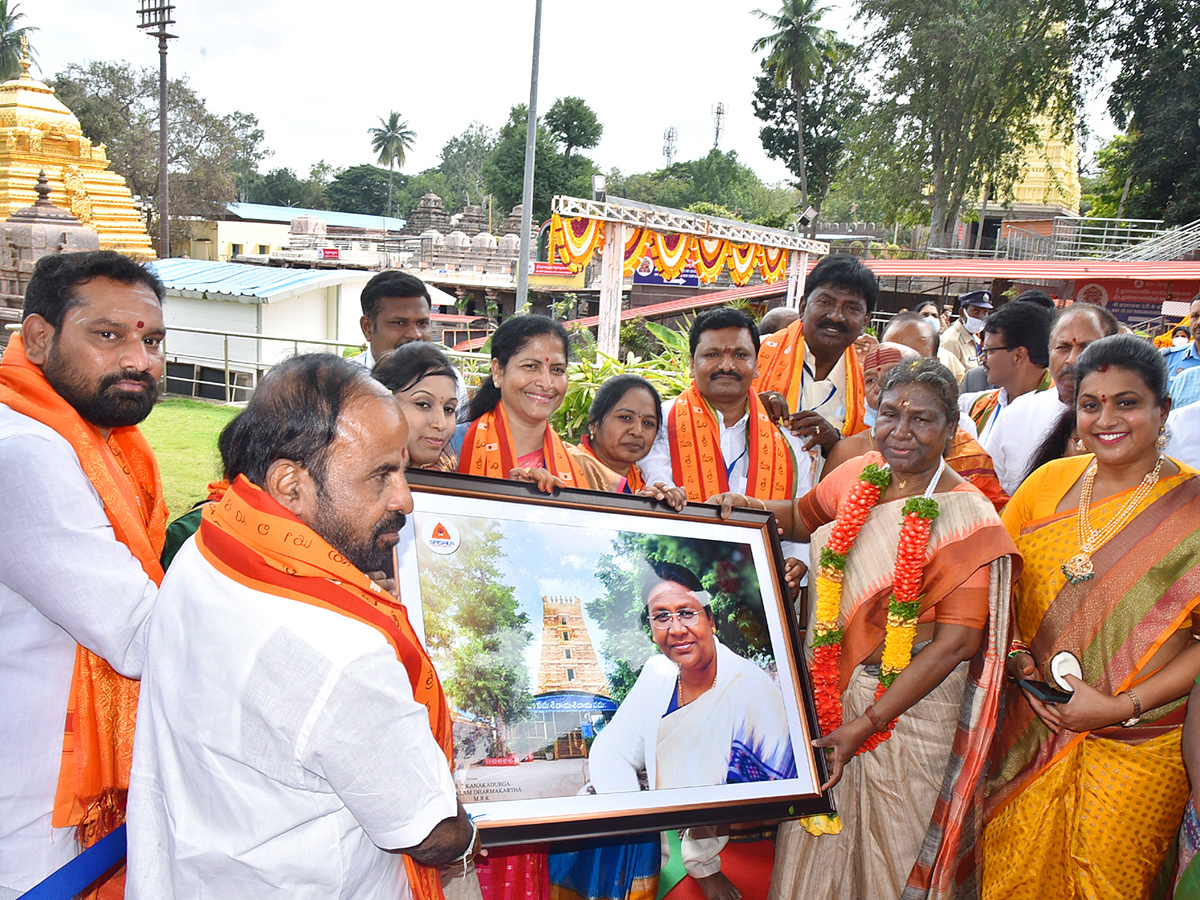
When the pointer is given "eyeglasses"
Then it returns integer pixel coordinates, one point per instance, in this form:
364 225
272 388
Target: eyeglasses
984 351
662 621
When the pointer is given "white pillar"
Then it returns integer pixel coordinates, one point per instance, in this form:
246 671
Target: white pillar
797 272
612 263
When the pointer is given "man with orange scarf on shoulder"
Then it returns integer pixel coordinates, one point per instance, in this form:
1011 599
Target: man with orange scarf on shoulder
811 369
82 522
292 732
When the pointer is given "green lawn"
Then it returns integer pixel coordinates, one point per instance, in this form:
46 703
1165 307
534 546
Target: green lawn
184 434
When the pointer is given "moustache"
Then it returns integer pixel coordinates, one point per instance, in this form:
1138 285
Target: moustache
126 375
389 523
829 323
730 374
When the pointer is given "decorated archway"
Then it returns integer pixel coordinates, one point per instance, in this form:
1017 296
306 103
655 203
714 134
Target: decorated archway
626 232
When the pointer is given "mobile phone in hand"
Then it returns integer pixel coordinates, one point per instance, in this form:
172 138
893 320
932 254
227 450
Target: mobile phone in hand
1047 693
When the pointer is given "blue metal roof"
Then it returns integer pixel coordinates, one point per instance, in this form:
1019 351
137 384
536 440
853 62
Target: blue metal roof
261 212
239 281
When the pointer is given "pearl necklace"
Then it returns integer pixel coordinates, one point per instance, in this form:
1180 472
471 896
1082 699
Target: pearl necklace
1079 567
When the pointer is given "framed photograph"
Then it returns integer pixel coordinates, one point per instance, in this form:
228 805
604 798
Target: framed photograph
612 666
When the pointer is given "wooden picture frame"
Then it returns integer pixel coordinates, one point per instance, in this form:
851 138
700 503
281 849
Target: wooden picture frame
532 608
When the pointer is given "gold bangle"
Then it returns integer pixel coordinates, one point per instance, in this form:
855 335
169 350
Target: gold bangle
1137 710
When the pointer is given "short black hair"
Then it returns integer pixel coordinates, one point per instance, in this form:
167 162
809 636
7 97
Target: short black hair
848 273
407 365
929 372
716 319
51 289
916 318
611 392
506 342
1023 324
1103 319
1041 298
293 414
1126 351
390 283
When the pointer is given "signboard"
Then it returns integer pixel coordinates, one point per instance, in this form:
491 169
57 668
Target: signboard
1134 301
552 268
330 253
647 274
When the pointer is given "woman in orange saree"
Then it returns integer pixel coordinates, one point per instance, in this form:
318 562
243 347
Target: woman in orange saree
1086 796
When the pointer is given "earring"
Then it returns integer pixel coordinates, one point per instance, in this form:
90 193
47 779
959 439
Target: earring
1079 448
1161 441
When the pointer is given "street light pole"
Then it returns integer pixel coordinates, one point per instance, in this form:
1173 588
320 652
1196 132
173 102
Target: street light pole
156 14
527 187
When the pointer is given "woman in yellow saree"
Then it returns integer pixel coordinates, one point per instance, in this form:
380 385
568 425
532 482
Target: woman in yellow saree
1086 796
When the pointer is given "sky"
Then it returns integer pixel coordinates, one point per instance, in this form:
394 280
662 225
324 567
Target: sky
318 75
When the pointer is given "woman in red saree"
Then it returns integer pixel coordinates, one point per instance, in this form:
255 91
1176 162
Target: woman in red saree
1086 796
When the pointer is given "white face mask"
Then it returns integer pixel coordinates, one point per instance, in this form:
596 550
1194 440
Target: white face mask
869 415
1179 341
973 325
935 322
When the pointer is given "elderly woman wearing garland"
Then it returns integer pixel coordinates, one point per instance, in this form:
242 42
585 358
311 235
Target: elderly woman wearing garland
1086 795
906 649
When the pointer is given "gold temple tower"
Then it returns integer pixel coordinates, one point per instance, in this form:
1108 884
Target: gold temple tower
38 132
569 661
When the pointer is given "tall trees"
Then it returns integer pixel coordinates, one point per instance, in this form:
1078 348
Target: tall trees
11 32
798 50
965 86
391 140
360 189
473 621
1156 97
463 159
827 111
117 105
504 173
572 121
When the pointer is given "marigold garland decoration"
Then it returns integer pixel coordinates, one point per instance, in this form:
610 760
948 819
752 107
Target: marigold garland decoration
710 258
671 252
637 243
903 605
574 241
742 259
773 264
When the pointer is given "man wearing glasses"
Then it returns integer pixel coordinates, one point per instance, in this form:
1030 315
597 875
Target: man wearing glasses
1015 353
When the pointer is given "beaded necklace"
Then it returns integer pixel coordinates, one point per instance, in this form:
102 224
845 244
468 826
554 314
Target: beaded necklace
903 605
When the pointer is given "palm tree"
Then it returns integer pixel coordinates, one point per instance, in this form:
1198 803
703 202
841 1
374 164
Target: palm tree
797 52
391 141
10 40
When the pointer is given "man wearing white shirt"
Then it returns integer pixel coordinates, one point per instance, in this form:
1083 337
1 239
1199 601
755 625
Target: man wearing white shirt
81 530
1016 355
292 733
1034 419
396 309
1183 434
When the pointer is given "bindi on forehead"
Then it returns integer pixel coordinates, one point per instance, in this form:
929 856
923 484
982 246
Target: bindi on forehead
141 324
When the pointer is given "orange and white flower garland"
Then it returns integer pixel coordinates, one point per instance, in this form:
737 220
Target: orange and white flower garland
903 605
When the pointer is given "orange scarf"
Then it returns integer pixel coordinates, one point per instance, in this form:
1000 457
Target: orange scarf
781 368
251 539
634 481
488 451
696 460
98 736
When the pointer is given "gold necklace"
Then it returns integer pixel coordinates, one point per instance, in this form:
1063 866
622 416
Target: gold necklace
1079 567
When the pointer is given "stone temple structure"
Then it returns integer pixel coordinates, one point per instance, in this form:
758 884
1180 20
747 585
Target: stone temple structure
37 132
569 661
29 234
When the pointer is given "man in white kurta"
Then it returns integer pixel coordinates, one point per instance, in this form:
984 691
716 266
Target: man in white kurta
278 749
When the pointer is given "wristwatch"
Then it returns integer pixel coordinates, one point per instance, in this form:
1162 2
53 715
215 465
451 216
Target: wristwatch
1137 710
